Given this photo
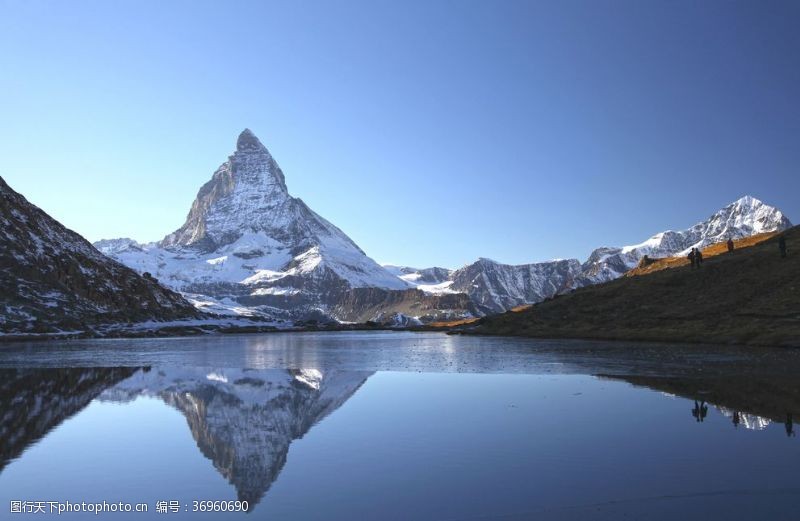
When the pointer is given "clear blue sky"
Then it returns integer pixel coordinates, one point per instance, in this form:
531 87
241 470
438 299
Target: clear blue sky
432 132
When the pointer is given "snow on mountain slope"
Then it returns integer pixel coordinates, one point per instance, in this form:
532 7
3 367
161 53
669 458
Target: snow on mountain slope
496 287
492 286
52 279
247 241
248 247
744 217
436 281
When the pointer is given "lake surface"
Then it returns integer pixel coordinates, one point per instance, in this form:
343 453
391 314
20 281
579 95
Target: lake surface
399 426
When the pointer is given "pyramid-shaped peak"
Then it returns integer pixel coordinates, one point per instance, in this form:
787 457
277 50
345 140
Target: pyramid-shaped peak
248 142
748 200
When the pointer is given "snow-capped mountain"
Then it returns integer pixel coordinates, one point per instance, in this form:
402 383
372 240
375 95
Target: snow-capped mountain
244 420
430 280
745 217
494 287
52 279
249 245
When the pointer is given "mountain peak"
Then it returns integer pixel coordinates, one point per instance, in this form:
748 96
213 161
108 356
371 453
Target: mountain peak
747 200
243 195
248 142
752 212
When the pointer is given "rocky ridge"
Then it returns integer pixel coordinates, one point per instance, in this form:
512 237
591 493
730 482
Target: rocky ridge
53 280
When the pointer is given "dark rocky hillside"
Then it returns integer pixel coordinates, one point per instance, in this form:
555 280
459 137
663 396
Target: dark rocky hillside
393 307
52 279
748 296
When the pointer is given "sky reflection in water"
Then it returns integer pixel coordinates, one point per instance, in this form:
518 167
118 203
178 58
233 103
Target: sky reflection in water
311 443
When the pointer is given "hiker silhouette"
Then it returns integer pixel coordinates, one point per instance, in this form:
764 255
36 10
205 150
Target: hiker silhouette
700 411
730 245
691 257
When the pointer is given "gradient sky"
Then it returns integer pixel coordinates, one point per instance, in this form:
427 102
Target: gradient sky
431 132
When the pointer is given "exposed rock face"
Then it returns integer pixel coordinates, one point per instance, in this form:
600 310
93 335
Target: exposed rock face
52 279
247 242
496 287
245 420
247 193
417 277
493 287
395 308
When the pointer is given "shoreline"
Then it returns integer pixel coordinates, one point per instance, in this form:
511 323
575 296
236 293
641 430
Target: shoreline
210 329
656 339
178 331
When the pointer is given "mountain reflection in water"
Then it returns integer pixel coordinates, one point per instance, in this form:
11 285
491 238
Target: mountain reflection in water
751 403
245 420
242 420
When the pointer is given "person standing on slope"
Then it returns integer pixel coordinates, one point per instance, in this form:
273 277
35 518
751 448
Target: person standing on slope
730 245
698 257
691 258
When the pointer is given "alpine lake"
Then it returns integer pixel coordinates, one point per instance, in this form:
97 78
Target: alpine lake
397 425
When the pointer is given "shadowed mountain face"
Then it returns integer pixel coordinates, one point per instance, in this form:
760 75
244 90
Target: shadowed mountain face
35 401
51 278
245 420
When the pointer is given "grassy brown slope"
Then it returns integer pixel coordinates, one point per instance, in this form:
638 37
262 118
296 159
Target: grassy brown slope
720 248
749 296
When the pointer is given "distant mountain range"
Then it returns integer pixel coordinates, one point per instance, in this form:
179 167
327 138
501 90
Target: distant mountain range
496 287
745 296
249 248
